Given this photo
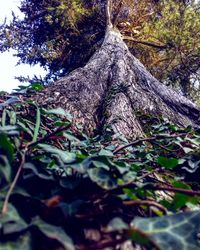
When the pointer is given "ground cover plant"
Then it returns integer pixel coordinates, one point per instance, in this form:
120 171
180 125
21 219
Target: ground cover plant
60 189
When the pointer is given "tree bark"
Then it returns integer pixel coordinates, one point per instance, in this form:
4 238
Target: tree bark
110 89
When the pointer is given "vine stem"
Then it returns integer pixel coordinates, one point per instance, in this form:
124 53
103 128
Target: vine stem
146 203
48 136
13 184
175 190
117 150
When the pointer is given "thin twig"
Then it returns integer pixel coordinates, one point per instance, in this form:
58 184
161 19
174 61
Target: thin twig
145 203
174 190
46 137
157 137
13 184
165 148
157 46
103 244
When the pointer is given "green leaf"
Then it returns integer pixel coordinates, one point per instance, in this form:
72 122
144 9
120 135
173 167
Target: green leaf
102 178
3 119
7 146
70 209
11 222
23 242
105 152
9 130
69 182
187 150
36 86
25 128
55 233
142 239
13 117
178 231
99 164
11 100
193 166
179 184
168 163
71 137
40 173
37 125
59 111
180 200
64 156
116 224
5 168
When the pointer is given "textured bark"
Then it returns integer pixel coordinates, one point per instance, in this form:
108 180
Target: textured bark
111 88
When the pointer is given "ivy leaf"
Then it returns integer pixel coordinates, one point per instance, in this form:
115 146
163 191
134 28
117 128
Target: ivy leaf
9 130
11 100
5 168
178 231
37 86
23 126
33 171
168 163
13 117
11 222
37 125
102 178
193 166
70 209
59 111
187 150
55 233
64 156
7 147
181 200
105 152
23 242
116 224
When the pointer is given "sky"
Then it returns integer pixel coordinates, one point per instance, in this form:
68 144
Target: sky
8 68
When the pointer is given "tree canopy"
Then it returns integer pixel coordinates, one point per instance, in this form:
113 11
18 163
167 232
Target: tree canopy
62 35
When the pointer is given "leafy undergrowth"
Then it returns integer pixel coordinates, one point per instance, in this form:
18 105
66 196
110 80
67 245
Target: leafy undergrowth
61 190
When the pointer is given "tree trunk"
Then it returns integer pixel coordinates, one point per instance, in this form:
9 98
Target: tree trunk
111 88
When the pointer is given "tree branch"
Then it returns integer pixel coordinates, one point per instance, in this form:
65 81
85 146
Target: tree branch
157 46
108 13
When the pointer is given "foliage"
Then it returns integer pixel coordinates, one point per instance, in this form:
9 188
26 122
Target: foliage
176 26
62 35
53 34
177 231
63 190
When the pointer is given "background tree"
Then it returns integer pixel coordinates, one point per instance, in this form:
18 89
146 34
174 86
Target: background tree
62 35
